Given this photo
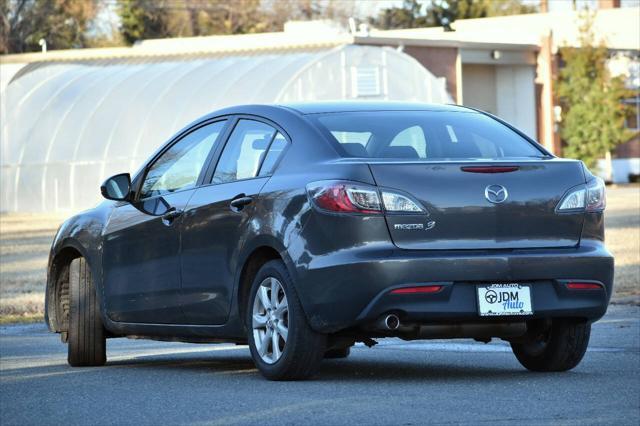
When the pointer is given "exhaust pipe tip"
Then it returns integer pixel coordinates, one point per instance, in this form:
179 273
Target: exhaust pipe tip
392 322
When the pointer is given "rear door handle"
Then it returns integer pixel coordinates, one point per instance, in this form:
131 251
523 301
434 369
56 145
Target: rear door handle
240 202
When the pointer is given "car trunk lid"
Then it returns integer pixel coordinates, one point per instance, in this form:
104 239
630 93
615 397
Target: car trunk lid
466 209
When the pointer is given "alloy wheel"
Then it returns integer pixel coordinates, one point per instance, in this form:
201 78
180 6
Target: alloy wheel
270 320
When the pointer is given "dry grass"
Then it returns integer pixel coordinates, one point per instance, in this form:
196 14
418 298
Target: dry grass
622 225
25 241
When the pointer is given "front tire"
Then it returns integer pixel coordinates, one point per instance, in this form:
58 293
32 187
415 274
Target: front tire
283 345
87 341
558 348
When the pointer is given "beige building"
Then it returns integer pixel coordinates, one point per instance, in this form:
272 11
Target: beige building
507 65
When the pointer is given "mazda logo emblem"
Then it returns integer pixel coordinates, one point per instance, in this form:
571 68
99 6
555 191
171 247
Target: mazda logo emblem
495 194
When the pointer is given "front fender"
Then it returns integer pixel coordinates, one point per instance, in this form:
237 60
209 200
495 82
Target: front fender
81 235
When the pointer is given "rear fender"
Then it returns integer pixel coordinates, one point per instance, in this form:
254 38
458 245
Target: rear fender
268 241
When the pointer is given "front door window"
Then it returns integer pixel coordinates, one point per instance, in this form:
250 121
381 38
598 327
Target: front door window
180 166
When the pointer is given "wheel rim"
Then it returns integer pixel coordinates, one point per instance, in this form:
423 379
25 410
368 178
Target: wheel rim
270 320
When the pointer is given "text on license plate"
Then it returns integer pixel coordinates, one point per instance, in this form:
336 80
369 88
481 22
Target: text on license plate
504 299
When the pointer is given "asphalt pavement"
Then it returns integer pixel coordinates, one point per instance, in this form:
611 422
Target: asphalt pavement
395 383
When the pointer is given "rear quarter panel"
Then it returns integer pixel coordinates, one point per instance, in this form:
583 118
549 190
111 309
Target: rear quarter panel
284 208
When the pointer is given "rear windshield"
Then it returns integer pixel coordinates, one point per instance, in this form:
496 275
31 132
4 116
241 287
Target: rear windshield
424 135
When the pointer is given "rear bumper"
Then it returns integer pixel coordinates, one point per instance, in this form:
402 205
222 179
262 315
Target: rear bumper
351 288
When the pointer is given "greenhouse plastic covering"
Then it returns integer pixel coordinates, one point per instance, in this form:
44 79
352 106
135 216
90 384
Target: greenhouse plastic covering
69 125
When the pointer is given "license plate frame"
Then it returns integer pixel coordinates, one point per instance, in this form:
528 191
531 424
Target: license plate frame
504 299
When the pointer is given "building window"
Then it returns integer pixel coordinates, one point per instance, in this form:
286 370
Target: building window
365 81
633 115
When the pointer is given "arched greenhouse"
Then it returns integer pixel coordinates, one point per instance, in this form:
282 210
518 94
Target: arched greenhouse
69 124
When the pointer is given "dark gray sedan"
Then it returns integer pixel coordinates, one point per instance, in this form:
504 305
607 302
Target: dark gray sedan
303 229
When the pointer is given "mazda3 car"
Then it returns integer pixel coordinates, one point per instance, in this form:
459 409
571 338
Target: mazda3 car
302 229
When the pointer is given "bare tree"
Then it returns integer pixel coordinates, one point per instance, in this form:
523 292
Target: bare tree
62 23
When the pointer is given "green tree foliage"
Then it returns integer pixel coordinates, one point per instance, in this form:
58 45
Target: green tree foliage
442 11
145 19
409 15
413 14
62 23
593 115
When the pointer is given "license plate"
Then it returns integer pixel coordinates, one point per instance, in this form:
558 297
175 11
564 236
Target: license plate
504 299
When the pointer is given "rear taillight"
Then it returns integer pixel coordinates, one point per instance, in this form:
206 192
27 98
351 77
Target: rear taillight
397 203
345 197
590 197
354 197
596 196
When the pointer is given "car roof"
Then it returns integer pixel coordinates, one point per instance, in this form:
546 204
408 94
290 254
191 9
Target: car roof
367 106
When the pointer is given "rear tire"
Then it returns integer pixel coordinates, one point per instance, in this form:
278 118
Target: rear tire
87 341
299 354
338 353
559 348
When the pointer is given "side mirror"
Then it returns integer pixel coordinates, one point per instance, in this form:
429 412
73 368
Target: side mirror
117 187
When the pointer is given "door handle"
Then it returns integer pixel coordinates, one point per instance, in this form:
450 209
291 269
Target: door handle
240 201
171 215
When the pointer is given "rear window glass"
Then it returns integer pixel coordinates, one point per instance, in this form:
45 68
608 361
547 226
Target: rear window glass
424 135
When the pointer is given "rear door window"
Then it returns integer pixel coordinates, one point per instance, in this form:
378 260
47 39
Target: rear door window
273 155
244 151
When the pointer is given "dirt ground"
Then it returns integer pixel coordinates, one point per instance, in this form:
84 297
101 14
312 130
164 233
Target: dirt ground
25 240
622 234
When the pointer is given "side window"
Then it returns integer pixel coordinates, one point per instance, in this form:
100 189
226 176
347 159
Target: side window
244 151
275 151
179 167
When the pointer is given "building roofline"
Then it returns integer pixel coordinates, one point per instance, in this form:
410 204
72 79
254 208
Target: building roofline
96 54
242 44
617 27
423 42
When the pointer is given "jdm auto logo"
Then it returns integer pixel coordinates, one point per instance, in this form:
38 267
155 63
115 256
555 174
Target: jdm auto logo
508 299
491 296
496 194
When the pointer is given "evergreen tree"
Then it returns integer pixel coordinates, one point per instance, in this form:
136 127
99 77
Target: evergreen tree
593 115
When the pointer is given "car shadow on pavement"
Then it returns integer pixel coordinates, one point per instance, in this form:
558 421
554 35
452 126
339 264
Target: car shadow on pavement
352 369
225 364
408 371
356 369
